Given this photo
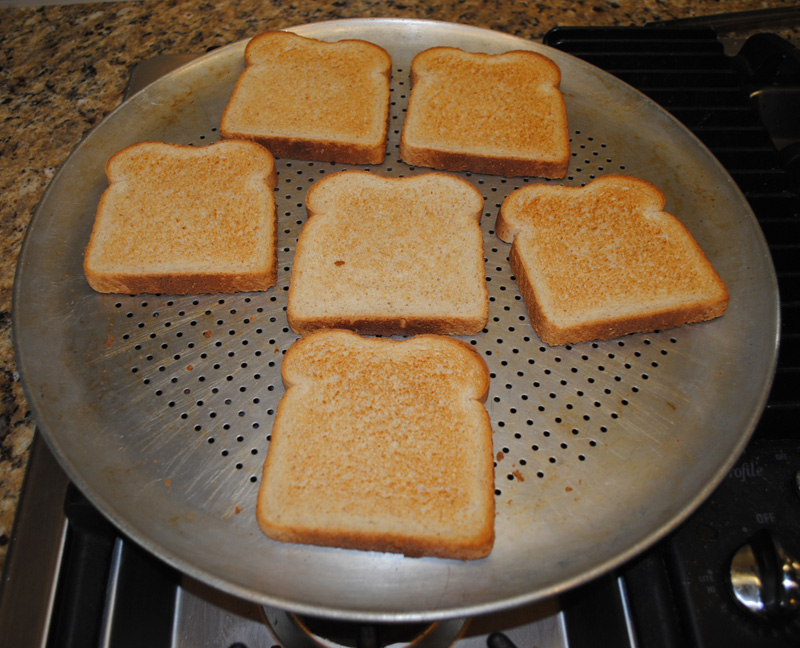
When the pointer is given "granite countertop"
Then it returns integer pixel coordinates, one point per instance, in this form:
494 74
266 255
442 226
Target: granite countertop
64 67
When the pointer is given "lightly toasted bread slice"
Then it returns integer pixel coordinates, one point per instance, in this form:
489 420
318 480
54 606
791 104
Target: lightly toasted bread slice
185 220
501 114
312 100
381 445
605 260
391 256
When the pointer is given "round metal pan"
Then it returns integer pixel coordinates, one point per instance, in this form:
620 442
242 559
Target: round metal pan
160 407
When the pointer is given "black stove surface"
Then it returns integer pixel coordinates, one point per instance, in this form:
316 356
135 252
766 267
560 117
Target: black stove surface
679 592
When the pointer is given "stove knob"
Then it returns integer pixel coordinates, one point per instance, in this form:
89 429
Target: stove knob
764 579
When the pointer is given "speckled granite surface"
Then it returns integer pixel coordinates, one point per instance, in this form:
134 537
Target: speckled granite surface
63 68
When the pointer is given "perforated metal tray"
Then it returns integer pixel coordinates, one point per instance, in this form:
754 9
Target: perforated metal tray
160 408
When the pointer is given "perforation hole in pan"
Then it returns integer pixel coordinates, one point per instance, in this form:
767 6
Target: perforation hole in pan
212 363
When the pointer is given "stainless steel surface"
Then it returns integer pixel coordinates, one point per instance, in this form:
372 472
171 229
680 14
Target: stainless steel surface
146 72
31 570
160 407
311 632
764 579
208 617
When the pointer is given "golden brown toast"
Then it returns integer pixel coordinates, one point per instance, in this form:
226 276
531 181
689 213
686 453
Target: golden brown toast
390 256
381 445
501 114
604 260
312 100
185 220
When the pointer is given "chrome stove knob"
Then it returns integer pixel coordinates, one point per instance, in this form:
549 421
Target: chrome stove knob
764 579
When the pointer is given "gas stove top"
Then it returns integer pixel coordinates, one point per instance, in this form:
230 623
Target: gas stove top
72 579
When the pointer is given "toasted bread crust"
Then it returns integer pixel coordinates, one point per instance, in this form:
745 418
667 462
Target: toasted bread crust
603 288
312 100
501 114
390 256
395 443
506 167
554 335
181 284
472 549
185 220
296 148
378 325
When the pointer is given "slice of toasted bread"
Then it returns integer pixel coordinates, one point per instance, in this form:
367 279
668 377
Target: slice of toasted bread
312 100
185 220
501 114
390 256
381 445
605 260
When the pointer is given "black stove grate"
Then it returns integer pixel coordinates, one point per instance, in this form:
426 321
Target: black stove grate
740 107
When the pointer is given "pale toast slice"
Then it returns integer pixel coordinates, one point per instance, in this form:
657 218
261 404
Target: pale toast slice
312 100
185 220
390 256
605 260
500 114
381 445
